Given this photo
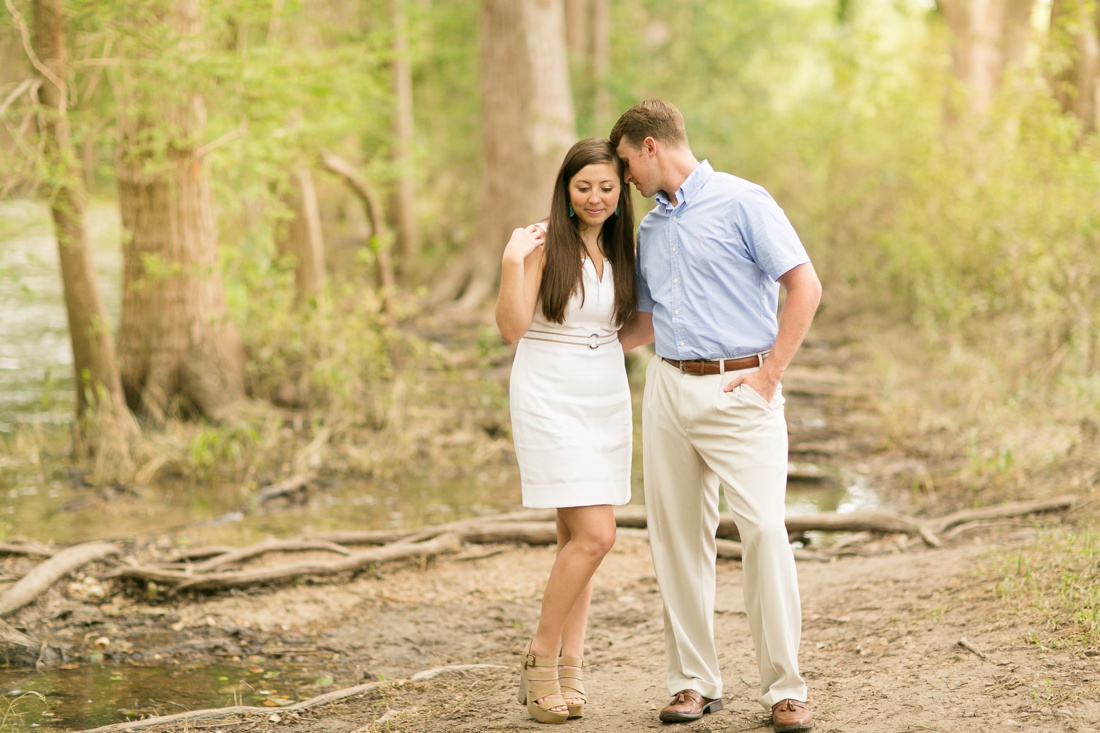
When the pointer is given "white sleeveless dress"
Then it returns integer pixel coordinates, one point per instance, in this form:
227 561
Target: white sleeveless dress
570 404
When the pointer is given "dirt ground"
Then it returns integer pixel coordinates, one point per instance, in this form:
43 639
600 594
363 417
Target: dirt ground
905 638
881 647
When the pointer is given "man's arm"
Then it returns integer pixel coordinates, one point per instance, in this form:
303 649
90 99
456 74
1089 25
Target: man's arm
803 296
638 331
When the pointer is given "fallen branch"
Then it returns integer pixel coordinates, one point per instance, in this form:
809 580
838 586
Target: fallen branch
529 533
287 486
882 522
182 580
25 548
1004 511
194 716
11 639
961 529
971 648
262 548
386 536
198 553
529 527
45 574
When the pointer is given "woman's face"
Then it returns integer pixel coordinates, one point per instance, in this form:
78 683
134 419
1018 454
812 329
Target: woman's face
594 193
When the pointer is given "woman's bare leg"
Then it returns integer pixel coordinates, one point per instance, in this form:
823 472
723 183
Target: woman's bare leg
585 536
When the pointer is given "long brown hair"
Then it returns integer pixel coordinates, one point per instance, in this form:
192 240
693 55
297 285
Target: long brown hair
565 250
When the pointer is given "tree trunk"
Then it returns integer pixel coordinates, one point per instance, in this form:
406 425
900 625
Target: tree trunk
601 63
379 234
301 237
95 369
408 239
987 36
175 341
526 126
1074 30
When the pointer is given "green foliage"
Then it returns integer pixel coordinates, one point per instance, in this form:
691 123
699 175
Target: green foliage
979 238
14 710
330 354
1059 577
217 452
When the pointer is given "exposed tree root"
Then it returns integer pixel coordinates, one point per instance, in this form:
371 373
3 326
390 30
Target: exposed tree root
25 548
44 575
223 568
180 580
538 528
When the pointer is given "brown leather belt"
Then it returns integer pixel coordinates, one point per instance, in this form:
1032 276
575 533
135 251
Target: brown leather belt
702 367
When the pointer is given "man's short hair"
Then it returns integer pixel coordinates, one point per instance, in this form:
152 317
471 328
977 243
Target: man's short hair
653 118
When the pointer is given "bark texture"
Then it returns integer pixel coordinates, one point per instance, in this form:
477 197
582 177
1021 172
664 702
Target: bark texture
987 37
1075 35
408 238
527 124
302 237
95 368
176 342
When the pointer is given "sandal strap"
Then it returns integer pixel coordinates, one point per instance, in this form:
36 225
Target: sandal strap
530 660
569 673
543 685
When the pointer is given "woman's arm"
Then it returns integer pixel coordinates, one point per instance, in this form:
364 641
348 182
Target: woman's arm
638 331
520 278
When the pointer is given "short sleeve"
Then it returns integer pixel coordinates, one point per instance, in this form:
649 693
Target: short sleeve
771 239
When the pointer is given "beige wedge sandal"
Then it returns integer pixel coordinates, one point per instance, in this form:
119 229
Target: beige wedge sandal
539 689
572 687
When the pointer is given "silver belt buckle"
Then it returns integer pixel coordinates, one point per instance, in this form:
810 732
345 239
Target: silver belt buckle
593 341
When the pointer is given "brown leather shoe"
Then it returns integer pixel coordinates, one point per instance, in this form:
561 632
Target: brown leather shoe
689 705
791 716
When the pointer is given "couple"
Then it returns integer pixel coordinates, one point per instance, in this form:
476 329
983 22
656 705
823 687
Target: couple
704 287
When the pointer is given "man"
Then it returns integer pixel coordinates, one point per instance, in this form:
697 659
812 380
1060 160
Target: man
712 255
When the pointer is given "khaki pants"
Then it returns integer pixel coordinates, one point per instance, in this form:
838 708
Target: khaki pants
695 437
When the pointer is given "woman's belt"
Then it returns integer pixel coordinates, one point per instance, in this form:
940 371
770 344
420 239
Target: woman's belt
592 341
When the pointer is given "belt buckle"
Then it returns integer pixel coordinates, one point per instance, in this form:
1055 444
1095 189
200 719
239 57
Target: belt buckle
593 341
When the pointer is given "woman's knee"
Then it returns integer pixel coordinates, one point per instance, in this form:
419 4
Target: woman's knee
597 542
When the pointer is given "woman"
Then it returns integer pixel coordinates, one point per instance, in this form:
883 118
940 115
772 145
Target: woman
567 285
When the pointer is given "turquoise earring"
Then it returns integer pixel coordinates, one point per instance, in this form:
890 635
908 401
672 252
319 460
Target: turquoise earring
570 209
616 211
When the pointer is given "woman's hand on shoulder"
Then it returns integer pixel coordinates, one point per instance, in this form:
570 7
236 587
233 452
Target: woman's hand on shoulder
523 242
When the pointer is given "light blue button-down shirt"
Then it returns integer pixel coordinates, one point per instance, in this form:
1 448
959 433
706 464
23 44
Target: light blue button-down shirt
708 267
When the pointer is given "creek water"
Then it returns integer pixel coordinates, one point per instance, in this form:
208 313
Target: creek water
36 390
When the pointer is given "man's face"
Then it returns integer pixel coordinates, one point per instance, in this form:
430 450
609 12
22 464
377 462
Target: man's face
638 165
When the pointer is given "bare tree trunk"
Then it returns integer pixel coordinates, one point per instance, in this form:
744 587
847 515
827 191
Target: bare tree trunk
1017 31
987 36
302 238
175 340
95 369
408 239
601 62
1074 31
380 236
527 125
588 41
577 26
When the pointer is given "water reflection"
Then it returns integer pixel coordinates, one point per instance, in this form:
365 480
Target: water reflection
94 695
35 354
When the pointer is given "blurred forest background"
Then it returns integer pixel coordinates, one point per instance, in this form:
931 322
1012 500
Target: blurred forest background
309 199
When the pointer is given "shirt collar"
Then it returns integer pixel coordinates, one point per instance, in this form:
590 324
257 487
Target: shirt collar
687 190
